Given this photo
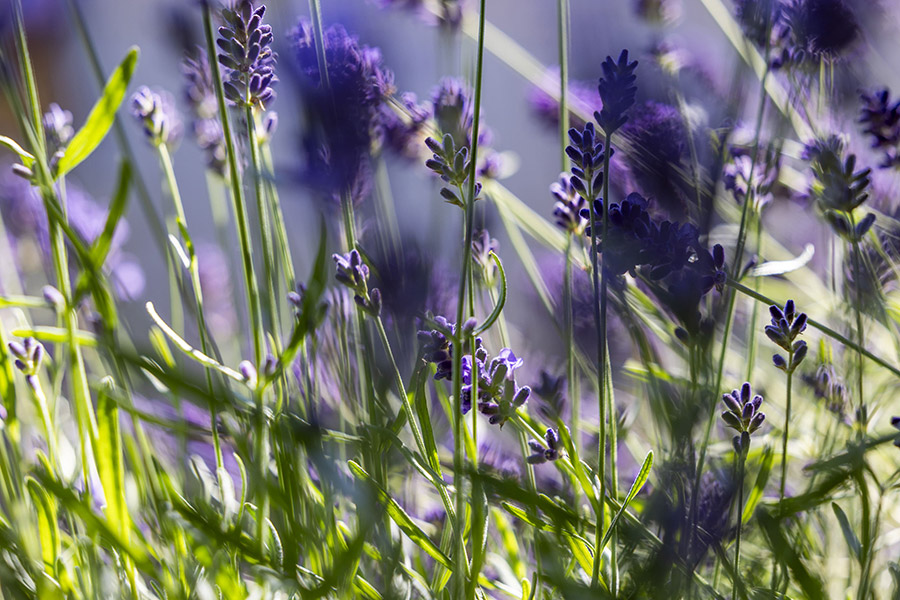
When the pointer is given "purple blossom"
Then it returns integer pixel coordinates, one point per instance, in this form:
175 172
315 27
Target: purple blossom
245 42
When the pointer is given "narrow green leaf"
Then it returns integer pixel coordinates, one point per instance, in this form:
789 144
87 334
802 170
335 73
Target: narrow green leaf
25 156
501 301
849 534
401 518
57 335
101 116
48 526
762 478
101 246
639 482
110 461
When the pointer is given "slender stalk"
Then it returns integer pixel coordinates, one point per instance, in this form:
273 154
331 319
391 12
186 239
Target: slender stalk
237 195
563 39
461 571
740 522
194 270
571 367
787 425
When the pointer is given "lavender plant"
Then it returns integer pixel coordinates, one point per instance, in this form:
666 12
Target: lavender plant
264 425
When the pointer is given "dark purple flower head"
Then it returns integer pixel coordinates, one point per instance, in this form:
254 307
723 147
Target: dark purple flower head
541 453
786 325
742 412
156 113
247 55
568 206
436 347
820 29
585 150
617 91
880 117
344 119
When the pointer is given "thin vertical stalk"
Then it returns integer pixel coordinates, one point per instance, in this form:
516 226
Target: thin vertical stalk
194 270
461 570
237 195
601 384
787 425
740 519
571 373
563 39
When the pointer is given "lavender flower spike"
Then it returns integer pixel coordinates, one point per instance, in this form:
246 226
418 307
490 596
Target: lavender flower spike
617 91
245 43
156 112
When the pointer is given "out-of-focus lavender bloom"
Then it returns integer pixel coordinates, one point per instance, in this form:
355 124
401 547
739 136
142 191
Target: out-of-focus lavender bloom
742 171
546 107
404 133
156 113
658 146
757 18
444 13
550 391
246 54
568 206
217 287
482 247
617 92
664 12
28 355
58 128
26 225
493 456
881 120
343 120
837 186
201 97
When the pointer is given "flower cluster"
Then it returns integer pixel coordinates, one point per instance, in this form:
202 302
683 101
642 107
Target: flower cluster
453 166
28 355
353 273
156 113
785 327
818 29
660 249
436 346
617 91
541 454
245 43
838 187
201 97
344 113
743 416
568 206
586 153
499 396
404 130
881 118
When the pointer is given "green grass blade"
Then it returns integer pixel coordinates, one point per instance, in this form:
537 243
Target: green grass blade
101 117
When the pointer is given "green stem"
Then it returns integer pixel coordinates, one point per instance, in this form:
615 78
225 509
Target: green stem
237 196
563 38
787 425
740 519
194 269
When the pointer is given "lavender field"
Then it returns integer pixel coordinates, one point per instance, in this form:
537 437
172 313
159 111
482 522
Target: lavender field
450 299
